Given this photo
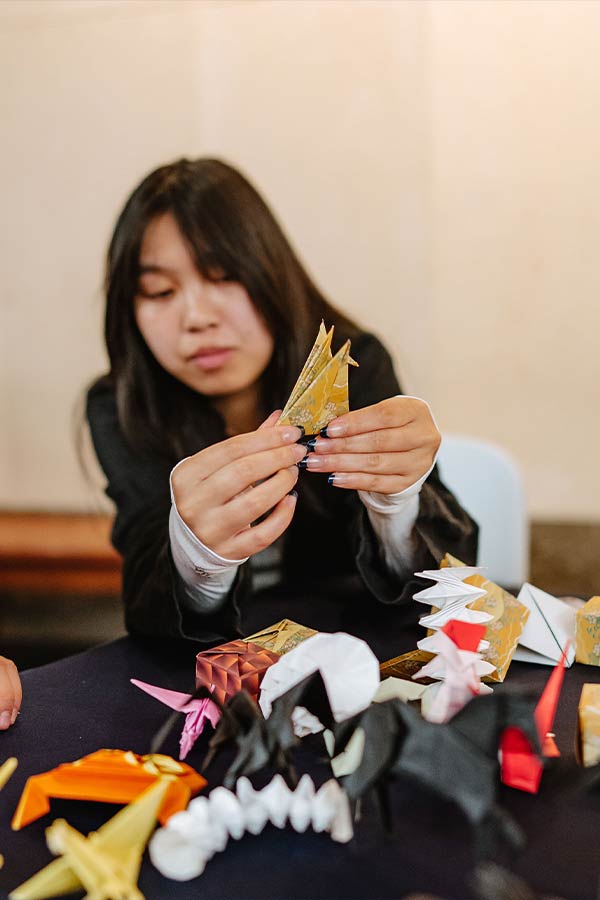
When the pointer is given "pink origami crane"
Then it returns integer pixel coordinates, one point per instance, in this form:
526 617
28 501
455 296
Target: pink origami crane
198 712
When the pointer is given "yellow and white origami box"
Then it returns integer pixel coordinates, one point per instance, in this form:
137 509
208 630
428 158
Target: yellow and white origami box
589 725
587 634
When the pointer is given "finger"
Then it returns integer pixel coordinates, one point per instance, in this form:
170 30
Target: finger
255 539
386 440
246 508
212 459
8 697
271 420
238 476
13 674
391 413
363 481
412 462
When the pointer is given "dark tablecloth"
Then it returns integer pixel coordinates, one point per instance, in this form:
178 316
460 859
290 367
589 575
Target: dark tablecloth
86 702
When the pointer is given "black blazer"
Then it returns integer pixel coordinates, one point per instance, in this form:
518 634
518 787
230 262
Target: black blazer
330 536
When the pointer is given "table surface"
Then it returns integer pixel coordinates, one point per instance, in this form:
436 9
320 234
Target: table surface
80 704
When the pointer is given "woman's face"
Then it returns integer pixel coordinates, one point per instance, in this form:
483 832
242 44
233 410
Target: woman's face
208 334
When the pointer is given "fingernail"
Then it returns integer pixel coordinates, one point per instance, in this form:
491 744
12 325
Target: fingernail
13 718
293 494
302 464
314 462
5 720
311 444
291 435
331 479
301 430
323 431
335 430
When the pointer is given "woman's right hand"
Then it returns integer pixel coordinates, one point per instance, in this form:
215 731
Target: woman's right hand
220 491
10 693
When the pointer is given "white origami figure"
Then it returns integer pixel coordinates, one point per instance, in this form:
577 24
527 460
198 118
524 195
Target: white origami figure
347 665
459 667
182 848
451 596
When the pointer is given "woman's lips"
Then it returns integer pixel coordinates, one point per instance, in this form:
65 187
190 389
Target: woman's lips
213 358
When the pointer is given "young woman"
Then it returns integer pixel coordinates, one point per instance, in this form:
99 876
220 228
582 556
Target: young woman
209 319
10 693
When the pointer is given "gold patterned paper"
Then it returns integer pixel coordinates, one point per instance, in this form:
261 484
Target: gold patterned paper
281 637
406 666
505 628
321 391
587 634
589 725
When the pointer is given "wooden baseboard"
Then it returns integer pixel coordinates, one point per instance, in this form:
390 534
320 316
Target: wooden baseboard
58 553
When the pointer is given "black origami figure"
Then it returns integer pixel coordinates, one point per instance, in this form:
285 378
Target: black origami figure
457 760
268 742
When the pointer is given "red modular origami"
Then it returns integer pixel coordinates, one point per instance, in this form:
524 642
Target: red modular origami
232 667
466 635
521 767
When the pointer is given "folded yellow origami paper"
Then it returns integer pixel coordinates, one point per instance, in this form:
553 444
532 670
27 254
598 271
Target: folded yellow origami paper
504 629
282 636
106 863
587 635
321 391
589 725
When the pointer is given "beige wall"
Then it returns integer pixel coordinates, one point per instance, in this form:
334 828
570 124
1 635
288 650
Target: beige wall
434 163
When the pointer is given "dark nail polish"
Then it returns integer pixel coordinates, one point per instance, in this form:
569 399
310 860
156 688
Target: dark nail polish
293 494
302 464
323 432
311 444
302 430
330 479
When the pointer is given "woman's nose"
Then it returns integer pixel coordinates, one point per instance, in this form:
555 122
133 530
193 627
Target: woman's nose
199 312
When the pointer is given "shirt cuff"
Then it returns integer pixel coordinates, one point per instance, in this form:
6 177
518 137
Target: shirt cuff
207 576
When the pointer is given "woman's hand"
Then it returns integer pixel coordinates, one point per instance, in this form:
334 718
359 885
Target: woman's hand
10 693
385 447
221 491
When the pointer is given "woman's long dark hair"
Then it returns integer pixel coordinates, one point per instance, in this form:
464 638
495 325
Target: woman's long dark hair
229 229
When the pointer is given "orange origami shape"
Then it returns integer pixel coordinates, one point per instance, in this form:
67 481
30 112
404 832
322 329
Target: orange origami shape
230 668
108 776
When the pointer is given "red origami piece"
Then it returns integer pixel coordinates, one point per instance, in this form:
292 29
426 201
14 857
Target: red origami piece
230 668
521 767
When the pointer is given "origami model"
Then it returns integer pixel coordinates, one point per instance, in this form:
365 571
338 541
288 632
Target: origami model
106 864
549 627
458 761
521 765
281 637
587 635
108 776
263 743
181 850
508 620
589 725
459 666
450 597
347 665
229 668
197 712
321 391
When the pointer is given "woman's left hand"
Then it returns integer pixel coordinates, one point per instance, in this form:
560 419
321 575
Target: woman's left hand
385 448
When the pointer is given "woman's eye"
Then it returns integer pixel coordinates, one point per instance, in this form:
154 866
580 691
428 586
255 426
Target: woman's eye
158 295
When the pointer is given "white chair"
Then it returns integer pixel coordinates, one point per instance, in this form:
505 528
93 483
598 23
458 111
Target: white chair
488 483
